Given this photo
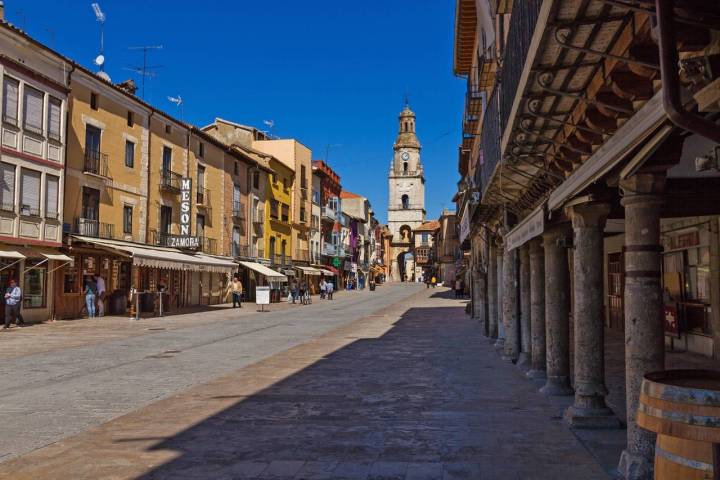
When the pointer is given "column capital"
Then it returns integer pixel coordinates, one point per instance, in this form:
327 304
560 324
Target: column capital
651 183
588 214
555 234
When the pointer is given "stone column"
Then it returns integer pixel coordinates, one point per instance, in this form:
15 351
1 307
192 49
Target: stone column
537 308
511 348
557 312
525 335
492 293
644 336
589 409
500 343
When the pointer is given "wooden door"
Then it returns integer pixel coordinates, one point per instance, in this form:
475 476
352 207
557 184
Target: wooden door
616 287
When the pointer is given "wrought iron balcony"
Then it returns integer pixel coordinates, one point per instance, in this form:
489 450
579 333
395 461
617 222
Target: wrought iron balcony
96 163
170 180
202 197
238 210
94 228
158 238
208 245
239 250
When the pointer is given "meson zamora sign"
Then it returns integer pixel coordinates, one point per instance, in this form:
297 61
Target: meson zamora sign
184 240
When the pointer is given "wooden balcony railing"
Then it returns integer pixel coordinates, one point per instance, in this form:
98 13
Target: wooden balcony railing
238 210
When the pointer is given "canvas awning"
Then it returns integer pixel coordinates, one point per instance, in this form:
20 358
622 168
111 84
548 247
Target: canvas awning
309 270
159 257
11 254
263 270
52 255
333 270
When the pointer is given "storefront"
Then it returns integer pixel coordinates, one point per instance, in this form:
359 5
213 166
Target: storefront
311 276
128 269
259 275
35 271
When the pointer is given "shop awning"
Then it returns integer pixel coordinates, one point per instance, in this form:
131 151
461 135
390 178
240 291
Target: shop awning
288 271
263 270
53 254
309 270
169 258
11 254
330 270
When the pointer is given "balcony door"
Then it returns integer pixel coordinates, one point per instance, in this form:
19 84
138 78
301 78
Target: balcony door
165 219
92 142
89 222
167 160
200 226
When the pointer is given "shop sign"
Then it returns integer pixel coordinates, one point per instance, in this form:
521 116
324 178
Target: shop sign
336 262
529 228
184 240
672 325
465 224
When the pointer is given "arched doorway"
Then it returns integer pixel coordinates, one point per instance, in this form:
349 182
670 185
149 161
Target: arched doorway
401 266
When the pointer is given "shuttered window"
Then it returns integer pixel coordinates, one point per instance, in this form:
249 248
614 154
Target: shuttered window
52 184
33 110
10 100
54 107
7 189
30 193
236 242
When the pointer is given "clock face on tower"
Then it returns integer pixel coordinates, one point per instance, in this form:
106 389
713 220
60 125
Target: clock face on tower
405 155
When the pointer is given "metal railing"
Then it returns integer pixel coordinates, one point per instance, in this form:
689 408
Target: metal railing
328 213
329 249
202 196
240 250
170 180
94 228
96 163
158 238
208 245
238 210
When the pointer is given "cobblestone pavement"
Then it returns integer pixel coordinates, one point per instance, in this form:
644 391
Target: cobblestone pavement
63 378
412 390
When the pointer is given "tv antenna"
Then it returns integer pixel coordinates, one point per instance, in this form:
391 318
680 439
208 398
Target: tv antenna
178 101
100 17
270 124
145 70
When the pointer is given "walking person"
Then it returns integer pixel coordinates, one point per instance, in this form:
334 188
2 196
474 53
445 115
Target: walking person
13 297
458 288
90 293
301 291
330 288
323 287
100 282
237 289
294 290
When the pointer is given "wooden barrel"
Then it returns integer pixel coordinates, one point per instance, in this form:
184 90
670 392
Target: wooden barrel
683 408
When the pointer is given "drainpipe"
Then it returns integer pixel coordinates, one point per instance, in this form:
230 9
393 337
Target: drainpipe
149 172
672 102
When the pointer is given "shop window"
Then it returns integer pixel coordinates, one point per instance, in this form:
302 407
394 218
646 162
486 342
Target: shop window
35 283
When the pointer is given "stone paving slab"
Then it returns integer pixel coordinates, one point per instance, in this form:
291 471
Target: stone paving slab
409 391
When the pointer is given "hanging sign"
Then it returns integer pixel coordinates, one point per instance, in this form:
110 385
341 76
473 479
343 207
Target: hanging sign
184 240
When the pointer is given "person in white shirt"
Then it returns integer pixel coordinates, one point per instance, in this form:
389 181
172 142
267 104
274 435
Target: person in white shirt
100 281
329 287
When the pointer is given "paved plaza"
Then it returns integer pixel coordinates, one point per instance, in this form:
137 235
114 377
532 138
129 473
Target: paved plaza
393 384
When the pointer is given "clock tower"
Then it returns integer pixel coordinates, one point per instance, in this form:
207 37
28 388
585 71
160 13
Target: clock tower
406 188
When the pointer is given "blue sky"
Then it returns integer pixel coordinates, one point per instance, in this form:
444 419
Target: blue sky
326 72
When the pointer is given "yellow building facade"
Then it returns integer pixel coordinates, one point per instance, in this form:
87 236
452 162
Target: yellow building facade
278 228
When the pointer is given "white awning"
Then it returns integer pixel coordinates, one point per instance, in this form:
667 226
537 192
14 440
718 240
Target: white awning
52 254
11 254
326 272
169 258
309 270
263 270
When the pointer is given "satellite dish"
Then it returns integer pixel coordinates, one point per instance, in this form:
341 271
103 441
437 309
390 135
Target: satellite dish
104 76
100 60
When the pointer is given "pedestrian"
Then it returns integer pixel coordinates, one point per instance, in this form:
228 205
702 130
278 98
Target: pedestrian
237 289
294 291
330 288
13 297
323 287
100 282
301 291
90 293
433 281
458 288
427 281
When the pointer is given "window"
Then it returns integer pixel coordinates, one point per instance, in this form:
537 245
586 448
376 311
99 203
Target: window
127 219
303 180
302 214
130 119
167 159
11 88
7 189
70 276
168 129
236 169
237 206
54 116
52 186
201 150
92 142
256 180
200 177
165 219
274 178
236 242
274 209
129 154
34 283
424 237
30 193
94 101
33 110
405 167
405 202
316 197
285 183
285 213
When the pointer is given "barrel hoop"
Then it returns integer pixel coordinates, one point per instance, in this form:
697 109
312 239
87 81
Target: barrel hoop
685 462
696 396
673 406
687 418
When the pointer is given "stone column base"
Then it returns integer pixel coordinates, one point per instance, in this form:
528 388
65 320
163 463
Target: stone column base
591 418
635 467
557 387
536 374
523 360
